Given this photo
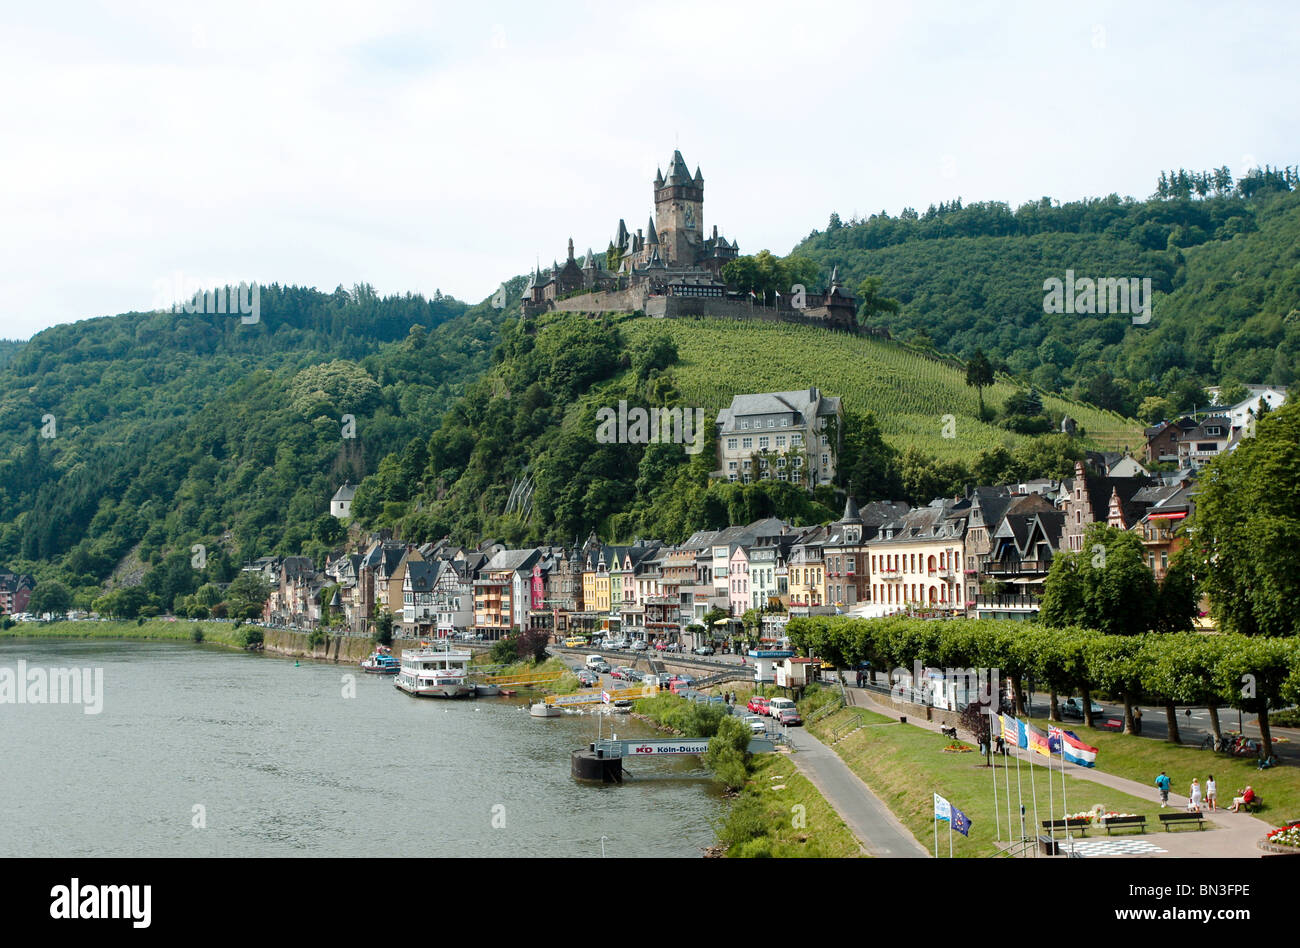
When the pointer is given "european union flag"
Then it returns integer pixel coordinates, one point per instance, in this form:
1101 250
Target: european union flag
960 822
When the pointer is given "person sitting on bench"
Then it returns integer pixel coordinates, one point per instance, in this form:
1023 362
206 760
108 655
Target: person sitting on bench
1247 797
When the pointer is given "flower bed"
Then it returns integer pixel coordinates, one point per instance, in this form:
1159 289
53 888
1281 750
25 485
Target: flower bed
1097 815
957 747
1284 836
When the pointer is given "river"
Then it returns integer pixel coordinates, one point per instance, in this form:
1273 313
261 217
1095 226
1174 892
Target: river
202 751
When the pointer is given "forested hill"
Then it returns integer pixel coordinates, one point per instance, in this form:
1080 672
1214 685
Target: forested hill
1222 257
164 429
8 349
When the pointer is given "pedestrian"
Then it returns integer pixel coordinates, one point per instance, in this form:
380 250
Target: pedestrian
1211 793
1137 720
1162 782
1194 798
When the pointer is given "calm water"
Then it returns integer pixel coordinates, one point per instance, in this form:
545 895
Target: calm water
286 766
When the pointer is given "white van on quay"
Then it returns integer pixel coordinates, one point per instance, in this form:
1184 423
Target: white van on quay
776 705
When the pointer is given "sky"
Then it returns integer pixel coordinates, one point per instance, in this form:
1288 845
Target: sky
147 147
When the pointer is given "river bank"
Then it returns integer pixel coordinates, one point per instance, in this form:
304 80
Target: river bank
777 812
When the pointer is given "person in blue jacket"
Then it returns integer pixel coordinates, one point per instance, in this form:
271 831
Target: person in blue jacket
1162 782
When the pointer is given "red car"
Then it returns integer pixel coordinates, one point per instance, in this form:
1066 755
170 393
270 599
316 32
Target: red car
758 704
620 673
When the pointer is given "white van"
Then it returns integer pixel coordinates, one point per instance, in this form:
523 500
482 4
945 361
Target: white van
776 705
594 660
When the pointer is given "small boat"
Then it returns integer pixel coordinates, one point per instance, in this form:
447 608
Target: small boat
486 690
381 662
622 706
543 710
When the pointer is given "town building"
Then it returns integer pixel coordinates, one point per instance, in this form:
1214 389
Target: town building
782 436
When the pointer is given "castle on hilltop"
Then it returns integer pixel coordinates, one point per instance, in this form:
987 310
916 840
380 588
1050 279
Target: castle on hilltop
672 269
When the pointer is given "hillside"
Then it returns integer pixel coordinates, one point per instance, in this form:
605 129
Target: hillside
908 391
169 429
529 428
1224 268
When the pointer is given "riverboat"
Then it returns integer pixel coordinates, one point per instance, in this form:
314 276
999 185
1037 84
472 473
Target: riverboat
435 673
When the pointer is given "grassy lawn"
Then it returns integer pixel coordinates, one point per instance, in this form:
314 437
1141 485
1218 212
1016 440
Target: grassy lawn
903 765
765 820
1141 758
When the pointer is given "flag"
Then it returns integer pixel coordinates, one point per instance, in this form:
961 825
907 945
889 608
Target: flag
942 808
1054 739
960 822
1038 741
1077 752
1014 732
604 696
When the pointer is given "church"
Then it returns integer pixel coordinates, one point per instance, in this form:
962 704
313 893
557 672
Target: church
670 268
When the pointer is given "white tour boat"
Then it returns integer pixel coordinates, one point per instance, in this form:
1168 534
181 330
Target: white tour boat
435 673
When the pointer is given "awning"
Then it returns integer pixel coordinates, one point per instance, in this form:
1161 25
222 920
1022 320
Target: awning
1167 516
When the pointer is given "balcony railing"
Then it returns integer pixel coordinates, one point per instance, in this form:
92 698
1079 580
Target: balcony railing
1009 602
1016 567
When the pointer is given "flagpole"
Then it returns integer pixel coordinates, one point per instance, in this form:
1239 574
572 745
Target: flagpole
1064 807
950 836
936 832
1033 789
1051 803
997 816
1006 774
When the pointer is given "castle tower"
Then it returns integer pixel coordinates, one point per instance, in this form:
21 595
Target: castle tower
679 212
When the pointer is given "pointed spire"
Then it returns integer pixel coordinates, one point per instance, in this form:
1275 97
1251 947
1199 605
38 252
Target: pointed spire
659 178
651 236
851 512
570 260
699 178
835 276
678 173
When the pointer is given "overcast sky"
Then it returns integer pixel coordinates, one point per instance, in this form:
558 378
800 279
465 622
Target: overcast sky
421 146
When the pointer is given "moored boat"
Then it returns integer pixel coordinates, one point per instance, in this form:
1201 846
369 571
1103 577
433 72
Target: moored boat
381 662
486 689
435 673
543 710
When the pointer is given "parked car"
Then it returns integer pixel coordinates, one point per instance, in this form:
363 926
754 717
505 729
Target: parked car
588 678
756 724
638 646
758 704
600 668
1073 708
703 650
621 673
685 679
777 705
788 716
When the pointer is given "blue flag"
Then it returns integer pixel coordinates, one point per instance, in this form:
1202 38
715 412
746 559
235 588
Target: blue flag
960 822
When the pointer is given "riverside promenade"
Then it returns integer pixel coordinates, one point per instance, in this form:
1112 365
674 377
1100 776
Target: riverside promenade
878 831
1232 835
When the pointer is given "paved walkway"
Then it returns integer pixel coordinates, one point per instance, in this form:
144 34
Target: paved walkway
1233 834
877 829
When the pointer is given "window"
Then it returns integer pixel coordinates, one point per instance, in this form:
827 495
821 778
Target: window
798 462
785 422
781 476
780 441
825 441
796 440
747 478
780 463
731 444
762 442
826 461
731 465
1164 560
744 425
747 443
771 422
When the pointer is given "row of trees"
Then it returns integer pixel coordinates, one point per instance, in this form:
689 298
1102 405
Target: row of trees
1252 674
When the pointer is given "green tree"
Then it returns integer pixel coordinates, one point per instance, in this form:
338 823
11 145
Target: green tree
383 633
979 375
1245 533
873 303
49 596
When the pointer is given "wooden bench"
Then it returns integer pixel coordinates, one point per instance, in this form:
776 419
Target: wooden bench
1139 821
1079 824
1167 819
